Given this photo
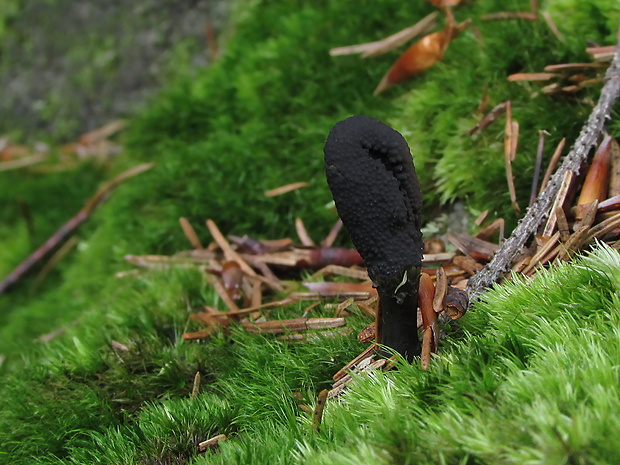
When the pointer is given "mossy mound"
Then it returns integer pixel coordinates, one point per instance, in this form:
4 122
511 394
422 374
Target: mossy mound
258 119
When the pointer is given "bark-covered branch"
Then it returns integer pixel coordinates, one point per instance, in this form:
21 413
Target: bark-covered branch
541 208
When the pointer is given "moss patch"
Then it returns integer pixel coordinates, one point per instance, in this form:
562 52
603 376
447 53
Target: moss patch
256 120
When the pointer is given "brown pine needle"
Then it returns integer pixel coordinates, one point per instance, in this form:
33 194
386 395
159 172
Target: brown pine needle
190 233
284 189
491 116
539 155
229 253
573 66
554 29
103 132
333 234
509 15
563 190
532 76
304 237
552 164
511 136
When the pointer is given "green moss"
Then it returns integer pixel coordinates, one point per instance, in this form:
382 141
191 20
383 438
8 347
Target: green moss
533 380
529 378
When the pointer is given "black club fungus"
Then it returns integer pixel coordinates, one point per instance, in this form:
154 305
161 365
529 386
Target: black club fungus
375 187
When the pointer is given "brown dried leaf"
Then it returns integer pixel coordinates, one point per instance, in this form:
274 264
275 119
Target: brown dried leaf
420 56
231 279
597 180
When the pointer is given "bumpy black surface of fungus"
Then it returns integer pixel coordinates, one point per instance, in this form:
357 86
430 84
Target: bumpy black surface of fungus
375 187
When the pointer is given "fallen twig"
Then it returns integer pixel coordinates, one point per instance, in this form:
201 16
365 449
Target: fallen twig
541 208
70 226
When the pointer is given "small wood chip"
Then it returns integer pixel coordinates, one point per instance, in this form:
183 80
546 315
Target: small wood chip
211 443
441 288
196 385
467 263
317 417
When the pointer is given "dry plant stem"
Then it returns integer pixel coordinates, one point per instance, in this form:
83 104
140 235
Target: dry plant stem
70 226
542 206
389 43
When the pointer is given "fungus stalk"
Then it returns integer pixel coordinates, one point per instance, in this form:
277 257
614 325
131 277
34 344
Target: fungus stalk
373 181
